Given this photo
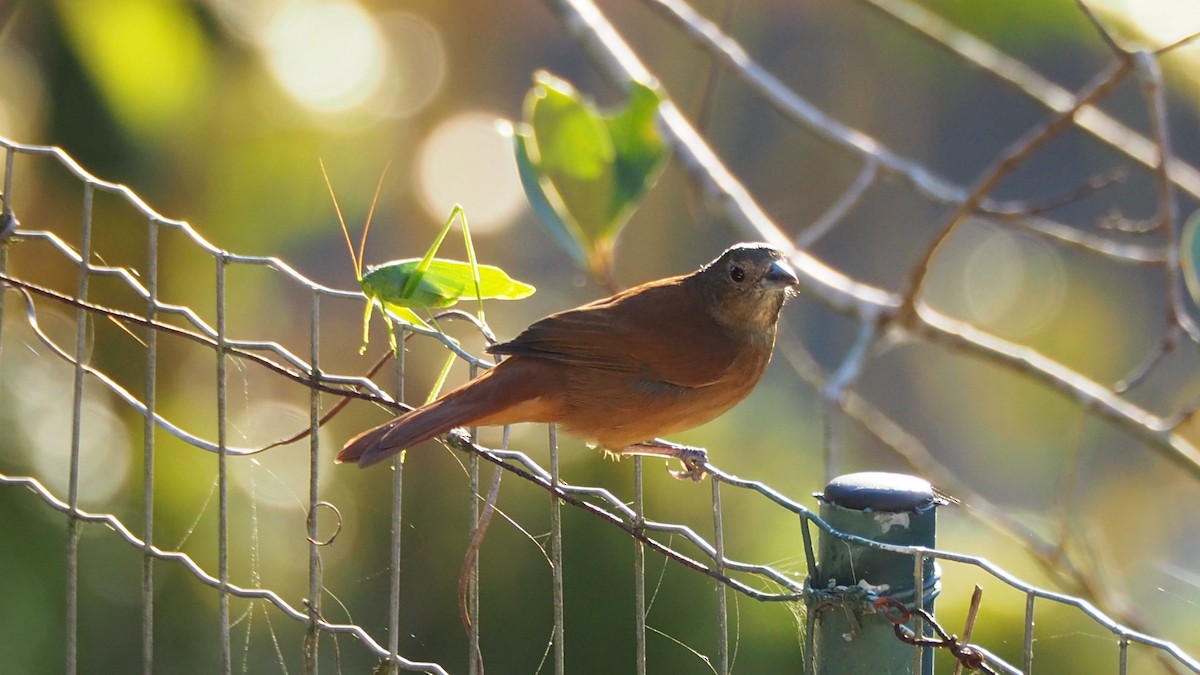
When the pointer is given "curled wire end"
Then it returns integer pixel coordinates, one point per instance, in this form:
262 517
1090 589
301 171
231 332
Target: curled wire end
336 531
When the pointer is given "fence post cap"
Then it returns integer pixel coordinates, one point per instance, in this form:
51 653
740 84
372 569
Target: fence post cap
879 491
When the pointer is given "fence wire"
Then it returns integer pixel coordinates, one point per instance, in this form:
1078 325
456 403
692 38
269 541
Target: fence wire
129 295
706 557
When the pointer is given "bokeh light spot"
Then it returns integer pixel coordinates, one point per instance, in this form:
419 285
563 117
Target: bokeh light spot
22 103
327 55
275 478
1013 282
466 160
44 407
1164 21
417 66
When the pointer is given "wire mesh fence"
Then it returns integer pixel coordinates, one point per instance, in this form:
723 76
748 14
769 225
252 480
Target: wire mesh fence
261 534
37 252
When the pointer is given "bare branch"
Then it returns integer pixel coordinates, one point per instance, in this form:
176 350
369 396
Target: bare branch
838 210
1033 84
1157 431
1006 163
1167 212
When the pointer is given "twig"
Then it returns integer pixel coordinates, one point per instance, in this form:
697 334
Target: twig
797 109
1157 431
1005 164
1181 42
1090 187
1101 29
849 198
337 407
969 629
1033 84
1139 373
1167 212
1073 237
588 26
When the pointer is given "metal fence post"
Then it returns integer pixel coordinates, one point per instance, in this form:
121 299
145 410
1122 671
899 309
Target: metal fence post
850 637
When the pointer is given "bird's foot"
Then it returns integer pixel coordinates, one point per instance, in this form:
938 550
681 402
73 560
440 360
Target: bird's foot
693 465
459 438
693 459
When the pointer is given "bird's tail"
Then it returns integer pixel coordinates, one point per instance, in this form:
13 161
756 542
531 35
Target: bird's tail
484 400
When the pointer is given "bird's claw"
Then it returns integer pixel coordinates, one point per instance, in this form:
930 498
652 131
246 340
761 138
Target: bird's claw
459 438
694 461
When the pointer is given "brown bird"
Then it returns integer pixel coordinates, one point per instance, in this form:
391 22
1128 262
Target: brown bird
654 360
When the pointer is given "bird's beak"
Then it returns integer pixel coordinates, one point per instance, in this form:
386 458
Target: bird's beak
781 275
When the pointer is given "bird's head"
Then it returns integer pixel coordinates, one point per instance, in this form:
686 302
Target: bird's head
747 285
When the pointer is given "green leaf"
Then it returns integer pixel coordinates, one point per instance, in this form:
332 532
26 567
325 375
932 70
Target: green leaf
1189 251
547 204
573 151
570 132
641 154
585 171
442 284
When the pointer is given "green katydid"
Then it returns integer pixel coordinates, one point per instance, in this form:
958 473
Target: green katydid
401 286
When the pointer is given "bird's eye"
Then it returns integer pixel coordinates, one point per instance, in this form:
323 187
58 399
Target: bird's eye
737 274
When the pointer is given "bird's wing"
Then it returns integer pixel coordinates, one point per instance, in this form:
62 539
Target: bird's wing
660 332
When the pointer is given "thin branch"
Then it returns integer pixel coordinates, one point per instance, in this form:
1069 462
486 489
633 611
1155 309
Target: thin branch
1075 194
1167 212
1181 42
849 199
1101 29
1033 84
798 110
801 112
1140 372
1157 431
1007 162
1073 237
597 36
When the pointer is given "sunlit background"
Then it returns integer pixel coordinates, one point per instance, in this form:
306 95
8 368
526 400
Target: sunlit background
218 112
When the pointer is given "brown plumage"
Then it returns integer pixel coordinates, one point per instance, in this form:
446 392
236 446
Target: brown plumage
654 360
